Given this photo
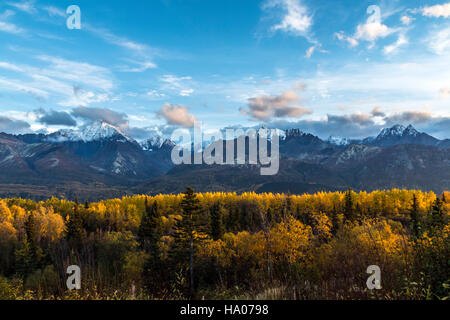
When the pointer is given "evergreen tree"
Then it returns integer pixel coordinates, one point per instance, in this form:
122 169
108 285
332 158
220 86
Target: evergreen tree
436 218
30 229
25 259
187 233
217 227
334 220
75 227
30 255
233 220
349 211
415 219
149 229
149 235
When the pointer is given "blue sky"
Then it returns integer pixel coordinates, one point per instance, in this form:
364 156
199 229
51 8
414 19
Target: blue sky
327 67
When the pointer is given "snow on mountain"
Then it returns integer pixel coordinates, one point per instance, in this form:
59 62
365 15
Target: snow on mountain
410 131
96 131
395 131
294 133
155 143
338 141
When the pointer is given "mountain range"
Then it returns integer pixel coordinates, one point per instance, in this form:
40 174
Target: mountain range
99 161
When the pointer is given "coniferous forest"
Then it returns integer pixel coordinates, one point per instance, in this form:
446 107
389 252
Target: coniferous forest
228 246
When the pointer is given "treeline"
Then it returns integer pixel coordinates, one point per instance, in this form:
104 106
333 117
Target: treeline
225 245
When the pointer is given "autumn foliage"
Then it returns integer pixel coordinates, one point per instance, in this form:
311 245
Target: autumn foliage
228 245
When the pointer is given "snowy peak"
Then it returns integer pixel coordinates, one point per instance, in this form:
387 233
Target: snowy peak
399 134
338 141
398 131
294 133
156 143
395 131
410 131
96 131
99 131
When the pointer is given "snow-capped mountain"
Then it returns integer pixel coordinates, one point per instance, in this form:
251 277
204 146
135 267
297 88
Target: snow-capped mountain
395 131
155 143
97 131
338 141
103 155
399 134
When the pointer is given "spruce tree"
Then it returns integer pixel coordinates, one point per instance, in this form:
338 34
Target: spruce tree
415 219
349 211
187 233
436 218
217 227
75 227
149 233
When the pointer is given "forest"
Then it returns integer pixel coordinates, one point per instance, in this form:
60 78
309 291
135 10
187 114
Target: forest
228 246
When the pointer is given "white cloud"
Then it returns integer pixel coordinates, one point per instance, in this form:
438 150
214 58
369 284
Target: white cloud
155 94
10 66
310 52
141 66
10 28
84 98
444 93
177 84
60 77
141 52
342 37
439 42
295 20
439 10
78 72
267 107
25 6
406 20
15 85
177 115
55 12
186 92
393 48
372 31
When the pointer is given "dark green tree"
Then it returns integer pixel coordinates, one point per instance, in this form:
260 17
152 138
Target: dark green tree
149 235
29 256
149 230
75 227
334 220
349 210
188 231
416 228
217 226
436 218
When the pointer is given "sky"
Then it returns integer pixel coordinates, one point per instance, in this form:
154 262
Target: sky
345 68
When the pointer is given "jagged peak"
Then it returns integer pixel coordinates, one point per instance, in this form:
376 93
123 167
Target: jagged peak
338 141
396 130
96 131
294 133
156 142
411 131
